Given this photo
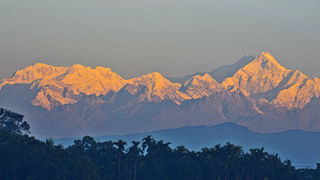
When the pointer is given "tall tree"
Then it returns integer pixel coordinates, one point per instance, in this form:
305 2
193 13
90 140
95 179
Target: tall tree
13 122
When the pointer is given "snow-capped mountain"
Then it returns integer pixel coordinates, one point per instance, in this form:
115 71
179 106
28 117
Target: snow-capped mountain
255 91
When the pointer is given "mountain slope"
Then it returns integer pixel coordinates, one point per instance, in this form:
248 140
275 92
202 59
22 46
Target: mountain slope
256 92
265 79
57 86
199 86
157 88
220 73
226 71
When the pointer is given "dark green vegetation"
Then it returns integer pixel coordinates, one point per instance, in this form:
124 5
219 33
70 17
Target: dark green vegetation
13 122
24 157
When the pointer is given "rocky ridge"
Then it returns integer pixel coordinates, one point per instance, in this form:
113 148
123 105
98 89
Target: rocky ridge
253 90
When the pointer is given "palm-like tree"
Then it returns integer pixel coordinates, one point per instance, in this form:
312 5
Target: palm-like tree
133 156
120 151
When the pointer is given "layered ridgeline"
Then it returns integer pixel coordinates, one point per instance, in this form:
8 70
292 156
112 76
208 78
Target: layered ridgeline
256 92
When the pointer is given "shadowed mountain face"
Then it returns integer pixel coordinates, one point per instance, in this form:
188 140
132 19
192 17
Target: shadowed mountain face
256 92
220 73
225 71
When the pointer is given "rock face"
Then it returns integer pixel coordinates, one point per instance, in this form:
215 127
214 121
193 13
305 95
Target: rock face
256 92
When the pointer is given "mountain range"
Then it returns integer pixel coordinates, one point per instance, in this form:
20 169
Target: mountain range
256 92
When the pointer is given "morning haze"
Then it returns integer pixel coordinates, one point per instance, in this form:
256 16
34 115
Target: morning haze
174 37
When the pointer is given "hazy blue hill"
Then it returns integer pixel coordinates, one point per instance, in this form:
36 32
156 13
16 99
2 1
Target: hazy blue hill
302 147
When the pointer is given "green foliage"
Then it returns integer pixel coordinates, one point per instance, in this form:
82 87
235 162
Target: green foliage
23 157
13 122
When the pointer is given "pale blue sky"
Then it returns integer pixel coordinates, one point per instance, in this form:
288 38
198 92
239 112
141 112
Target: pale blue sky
174 37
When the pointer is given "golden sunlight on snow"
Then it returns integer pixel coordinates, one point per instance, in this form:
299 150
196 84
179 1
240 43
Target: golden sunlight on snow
262 79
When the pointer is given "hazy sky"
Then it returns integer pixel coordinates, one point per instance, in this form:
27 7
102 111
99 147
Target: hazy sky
174 37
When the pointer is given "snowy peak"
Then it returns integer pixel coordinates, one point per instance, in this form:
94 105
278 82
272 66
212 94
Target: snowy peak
264 63
60 85
154 81
34 72
266 80
255 91
261 75
266 60
225 71
261 78
98 81
76 78
200 78
157 88
199 86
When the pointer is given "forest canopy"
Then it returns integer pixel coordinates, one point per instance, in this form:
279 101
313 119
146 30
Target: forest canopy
25 157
